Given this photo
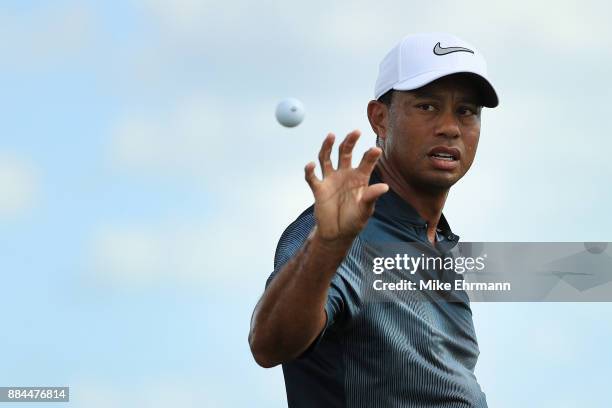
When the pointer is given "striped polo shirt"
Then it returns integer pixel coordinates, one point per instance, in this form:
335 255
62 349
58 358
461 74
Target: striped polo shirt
383 348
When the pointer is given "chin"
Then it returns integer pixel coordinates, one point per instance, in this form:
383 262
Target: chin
438 182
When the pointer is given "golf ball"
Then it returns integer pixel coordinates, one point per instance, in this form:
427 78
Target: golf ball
290 112
595 247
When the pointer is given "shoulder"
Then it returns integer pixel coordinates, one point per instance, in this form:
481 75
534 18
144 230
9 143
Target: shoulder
294 236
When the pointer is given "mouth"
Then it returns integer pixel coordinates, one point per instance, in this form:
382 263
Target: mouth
445 158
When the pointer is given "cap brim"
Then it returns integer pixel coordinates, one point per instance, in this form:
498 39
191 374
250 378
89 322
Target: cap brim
485 89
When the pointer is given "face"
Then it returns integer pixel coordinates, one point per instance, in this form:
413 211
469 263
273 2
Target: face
430 135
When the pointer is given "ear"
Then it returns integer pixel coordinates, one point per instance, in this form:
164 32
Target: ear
378 115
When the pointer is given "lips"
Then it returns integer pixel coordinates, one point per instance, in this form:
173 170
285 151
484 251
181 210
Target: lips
444 158
445 153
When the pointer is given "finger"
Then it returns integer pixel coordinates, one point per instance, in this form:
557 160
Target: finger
372 193
311 178
325 154
345 150
368 161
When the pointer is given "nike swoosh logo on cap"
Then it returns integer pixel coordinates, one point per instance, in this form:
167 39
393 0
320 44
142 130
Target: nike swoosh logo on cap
438 50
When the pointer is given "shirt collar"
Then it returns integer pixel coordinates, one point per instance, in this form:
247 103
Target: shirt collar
392 205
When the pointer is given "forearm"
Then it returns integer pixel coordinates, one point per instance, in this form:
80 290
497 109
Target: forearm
291 312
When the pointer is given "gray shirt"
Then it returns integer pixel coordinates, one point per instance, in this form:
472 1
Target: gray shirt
386 348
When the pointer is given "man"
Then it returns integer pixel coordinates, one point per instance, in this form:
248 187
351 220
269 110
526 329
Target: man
341 346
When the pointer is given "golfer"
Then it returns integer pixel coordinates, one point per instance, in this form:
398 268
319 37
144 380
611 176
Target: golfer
316 317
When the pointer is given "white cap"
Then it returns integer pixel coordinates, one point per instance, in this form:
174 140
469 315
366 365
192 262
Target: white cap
422 58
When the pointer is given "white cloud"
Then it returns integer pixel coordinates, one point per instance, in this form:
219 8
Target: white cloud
192 18
204 138
18 185
363 26
46 35
234 247
152 393
255 193
129 254
184 140
93 395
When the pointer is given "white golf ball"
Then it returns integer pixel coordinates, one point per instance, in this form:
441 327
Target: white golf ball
290 112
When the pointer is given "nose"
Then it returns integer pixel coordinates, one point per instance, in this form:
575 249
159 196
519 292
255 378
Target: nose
448 125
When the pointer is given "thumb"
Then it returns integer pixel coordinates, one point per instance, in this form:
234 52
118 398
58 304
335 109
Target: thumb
372 193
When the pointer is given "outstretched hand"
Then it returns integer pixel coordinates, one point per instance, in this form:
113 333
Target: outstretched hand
343 199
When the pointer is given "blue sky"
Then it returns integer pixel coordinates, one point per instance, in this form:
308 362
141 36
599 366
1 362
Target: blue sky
144 183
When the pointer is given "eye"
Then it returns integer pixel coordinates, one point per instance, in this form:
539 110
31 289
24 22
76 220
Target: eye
467 111
426 107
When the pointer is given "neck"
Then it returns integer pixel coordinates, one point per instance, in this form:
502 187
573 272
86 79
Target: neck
427 203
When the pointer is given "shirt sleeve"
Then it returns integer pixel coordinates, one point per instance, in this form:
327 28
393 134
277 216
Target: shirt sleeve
343 295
